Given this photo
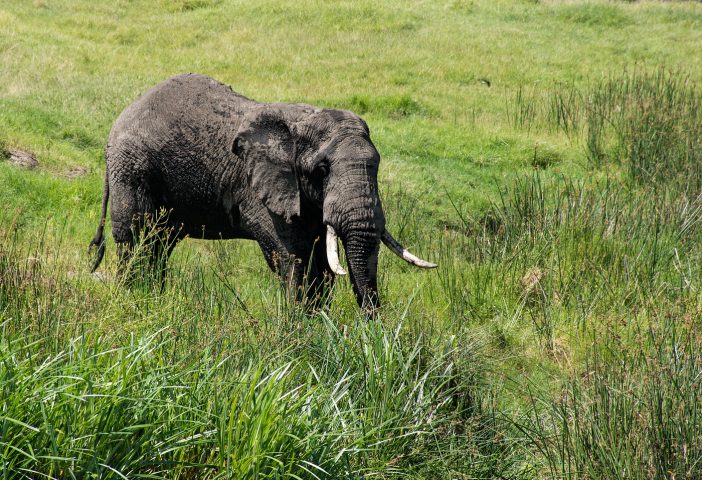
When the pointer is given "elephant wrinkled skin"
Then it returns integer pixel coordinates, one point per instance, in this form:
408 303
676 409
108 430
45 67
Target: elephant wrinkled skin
289 176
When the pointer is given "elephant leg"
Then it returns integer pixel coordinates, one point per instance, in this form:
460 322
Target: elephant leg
319 279
144 258
141 236
286 266
125 249
270 233
306 272
160 247
124 217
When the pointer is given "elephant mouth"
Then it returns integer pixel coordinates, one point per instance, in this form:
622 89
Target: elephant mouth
394 246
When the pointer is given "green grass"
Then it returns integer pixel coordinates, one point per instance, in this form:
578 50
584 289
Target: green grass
545 154
634 414
648 120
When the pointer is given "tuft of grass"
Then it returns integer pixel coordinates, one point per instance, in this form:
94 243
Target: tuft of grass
594 15
190 5
545 156
4 152
634 412
393 106
648 121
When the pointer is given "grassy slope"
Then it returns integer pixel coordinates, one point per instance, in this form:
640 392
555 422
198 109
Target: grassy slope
413 69
71 67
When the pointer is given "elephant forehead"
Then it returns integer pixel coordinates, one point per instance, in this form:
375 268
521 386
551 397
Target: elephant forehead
266 135
272 139
341 150
346 118
326 123
357 147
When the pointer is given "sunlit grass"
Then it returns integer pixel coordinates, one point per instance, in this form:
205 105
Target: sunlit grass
556 339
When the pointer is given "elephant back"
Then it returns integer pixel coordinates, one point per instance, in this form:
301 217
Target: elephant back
188 108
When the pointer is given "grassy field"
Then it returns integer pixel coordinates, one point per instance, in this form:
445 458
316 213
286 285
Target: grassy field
547 154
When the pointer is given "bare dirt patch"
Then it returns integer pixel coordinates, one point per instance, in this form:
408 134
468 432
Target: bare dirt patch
22 159
75 172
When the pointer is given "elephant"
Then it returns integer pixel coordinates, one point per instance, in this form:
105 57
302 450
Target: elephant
293 177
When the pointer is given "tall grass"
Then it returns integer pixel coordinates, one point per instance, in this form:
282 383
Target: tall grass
561 248
649 121
622 266
609 278
218 379
194 387
551 265
634 412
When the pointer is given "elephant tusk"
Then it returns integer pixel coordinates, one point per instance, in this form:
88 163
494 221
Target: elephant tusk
333 252
403 253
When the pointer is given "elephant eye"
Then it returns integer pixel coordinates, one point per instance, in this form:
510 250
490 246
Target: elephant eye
321 170
316 181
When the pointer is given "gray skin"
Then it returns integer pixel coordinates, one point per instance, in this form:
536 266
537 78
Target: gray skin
224 166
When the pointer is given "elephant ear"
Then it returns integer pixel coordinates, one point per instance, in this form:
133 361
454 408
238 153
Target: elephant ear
266 144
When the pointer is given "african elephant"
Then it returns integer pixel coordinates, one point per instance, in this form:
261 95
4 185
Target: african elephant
289 176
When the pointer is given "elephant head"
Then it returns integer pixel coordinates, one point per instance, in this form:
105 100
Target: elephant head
307 162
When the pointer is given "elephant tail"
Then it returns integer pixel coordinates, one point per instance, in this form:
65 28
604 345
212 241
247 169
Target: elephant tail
99 239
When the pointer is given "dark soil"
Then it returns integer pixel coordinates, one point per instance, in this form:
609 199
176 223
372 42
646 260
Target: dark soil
22 159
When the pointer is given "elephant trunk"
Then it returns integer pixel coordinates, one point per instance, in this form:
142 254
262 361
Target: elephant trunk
355 213
362 256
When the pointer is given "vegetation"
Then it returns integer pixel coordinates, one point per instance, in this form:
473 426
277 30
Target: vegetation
545 154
